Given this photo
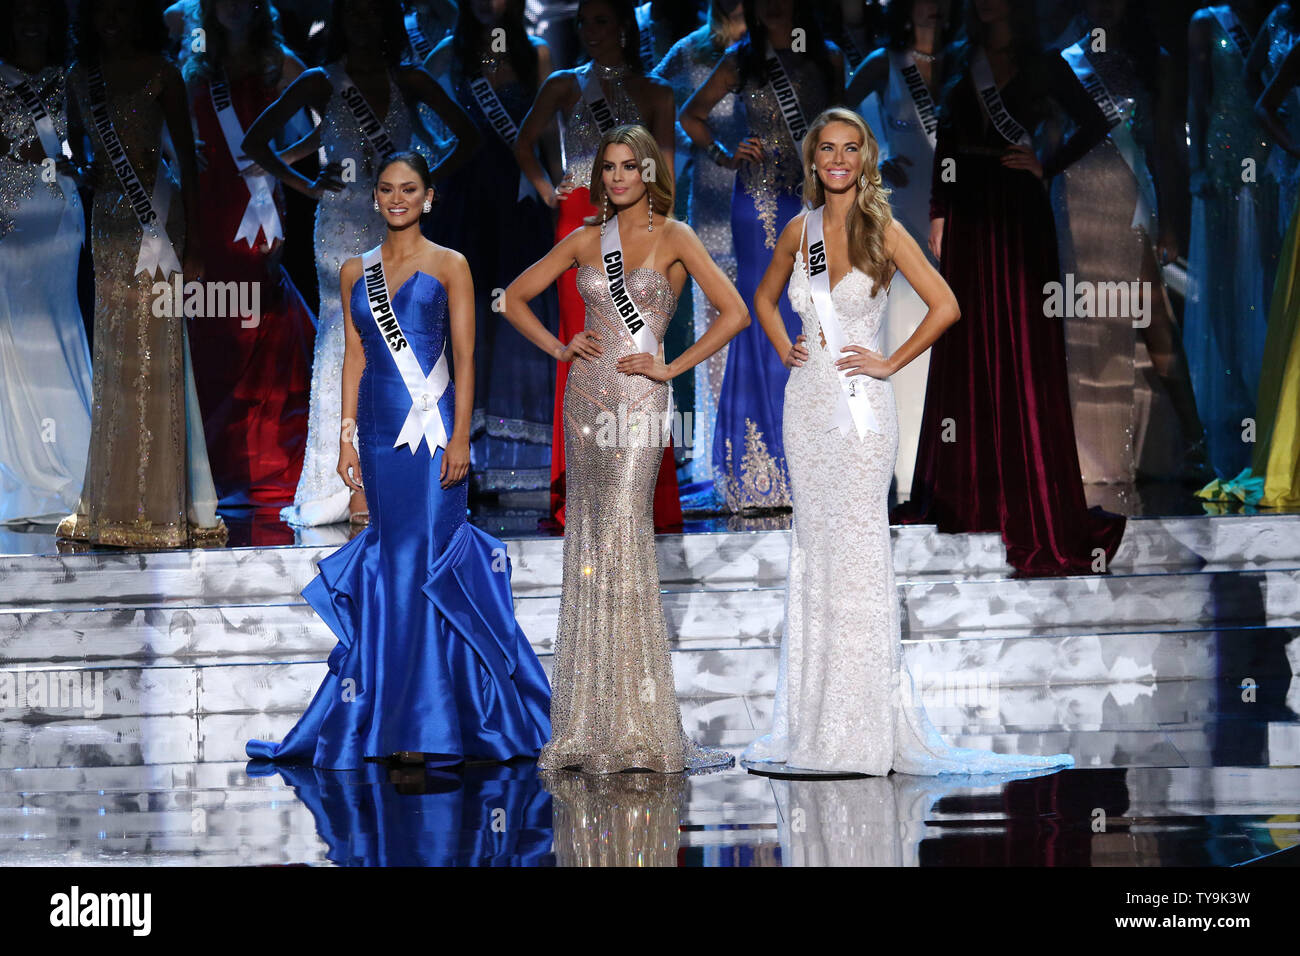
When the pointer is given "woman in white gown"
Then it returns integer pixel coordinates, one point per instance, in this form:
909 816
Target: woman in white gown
844 696
45 377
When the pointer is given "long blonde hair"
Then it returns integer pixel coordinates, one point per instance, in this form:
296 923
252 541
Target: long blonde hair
869 217
659 185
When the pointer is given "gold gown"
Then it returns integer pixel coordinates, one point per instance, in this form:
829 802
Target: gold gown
140 470
1277 447
613 703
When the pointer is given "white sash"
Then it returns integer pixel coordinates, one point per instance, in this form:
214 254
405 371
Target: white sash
425 390
1121 136
260 214
786 96
496 113
594 97
925 115
643 337
156 252
419 43
45 130
1232 26
381 144
991 100
853 410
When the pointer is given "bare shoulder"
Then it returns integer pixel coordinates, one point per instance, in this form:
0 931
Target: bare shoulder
790 235
349 273
895 235
444 263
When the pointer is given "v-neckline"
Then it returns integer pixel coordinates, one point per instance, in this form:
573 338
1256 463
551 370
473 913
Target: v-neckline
388 108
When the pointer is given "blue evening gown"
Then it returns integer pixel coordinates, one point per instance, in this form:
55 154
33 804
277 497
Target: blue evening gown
430 658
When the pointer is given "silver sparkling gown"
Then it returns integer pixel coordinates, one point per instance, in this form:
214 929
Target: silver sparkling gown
346 225
613 703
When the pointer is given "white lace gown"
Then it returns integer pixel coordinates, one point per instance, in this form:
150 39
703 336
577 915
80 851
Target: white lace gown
844 697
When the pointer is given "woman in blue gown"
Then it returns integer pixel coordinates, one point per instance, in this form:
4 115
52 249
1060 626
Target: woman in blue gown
749 469
431 665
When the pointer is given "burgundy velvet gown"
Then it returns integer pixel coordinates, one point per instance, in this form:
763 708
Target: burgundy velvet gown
253 383
997 449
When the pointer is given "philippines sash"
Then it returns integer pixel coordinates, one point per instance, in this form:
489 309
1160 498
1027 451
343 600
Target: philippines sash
643 337
1232 26
419 44
423 419
853 410
594 97
156 252
991 100
786 96
926 117
381 144
260 214
45 131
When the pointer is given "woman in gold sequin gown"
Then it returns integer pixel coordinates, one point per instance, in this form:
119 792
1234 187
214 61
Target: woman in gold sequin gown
613 703
147 479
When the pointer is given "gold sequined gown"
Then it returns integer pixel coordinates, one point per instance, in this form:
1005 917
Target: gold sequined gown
613 704
147 481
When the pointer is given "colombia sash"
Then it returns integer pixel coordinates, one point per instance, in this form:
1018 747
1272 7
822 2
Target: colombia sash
786 96
643 337
925 116
853 410
987 89
381 144
156 252
45 131
260 214
423 419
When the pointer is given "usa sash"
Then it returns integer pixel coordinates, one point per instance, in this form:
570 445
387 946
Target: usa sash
786 96
45 131
925 115
381 144
991 100
853 410
643 337
423 419
260 214
156 252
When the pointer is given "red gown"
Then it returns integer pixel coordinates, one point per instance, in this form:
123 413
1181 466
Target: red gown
253 383
997 449
575 207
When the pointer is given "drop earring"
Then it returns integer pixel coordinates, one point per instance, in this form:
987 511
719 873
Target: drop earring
604 215
862 181
376 205
428 205
650 226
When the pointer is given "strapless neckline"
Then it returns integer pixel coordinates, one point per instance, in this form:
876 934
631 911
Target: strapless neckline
662 278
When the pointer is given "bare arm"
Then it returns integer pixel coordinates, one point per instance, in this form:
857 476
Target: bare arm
460 308
767 296
663 119
354 363
934 292
533 282
310 90
558 88
425 88
694 115
1270 101
871 76
722 295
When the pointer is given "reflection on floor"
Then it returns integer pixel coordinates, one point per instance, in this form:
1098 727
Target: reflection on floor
1169 774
